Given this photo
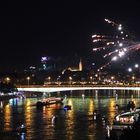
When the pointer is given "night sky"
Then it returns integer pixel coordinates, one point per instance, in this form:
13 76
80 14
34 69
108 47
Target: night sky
30 30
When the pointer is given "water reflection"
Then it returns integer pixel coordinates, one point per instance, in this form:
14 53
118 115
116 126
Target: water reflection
77 123
7 118
69 119
111 109
91 107
28 118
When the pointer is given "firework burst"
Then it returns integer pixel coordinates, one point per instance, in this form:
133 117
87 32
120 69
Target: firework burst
115 47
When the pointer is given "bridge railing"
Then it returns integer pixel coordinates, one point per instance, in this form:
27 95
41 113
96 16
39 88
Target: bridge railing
84 85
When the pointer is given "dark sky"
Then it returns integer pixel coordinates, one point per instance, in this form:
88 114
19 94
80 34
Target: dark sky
29 30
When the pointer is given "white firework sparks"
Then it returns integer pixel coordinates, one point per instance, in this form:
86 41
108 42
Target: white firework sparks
117 46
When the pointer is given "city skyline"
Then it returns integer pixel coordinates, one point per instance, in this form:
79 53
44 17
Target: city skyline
57 29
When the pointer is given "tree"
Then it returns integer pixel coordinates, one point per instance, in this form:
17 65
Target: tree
6 88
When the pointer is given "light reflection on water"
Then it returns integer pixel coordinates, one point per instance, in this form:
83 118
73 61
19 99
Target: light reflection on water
74 124
7 117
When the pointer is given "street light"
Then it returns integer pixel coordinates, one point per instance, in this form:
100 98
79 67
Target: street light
49 80
28 79
91 78
70 79
58 80
129 69
133 79
112 79
136 65
7 80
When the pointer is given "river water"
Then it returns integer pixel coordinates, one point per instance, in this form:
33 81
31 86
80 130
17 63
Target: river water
75 124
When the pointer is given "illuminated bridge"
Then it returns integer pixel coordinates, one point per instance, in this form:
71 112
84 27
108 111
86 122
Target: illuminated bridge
56 88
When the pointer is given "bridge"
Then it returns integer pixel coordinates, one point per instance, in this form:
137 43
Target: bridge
56 88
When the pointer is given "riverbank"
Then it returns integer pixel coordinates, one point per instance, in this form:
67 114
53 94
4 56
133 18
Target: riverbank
7 97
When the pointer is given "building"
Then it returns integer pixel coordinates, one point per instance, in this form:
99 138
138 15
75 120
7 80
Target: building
74 69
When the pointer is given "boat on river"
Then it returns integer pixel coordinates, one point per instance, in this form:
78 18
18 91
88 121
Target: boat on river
49 101
126 119
67 107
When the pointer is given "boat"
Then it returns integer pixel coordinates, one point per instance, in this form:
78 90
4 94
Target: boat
125 120
48 101
67 107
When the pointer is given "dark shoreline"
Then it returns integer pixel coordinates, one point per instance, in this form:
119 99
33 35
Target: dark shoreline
7 97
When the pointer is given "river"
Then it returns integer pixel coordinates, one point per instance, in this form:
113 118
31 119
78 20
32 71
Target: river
74 124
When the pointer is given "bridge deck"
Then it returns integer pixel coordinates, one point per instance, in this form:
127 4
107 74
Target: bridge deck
55 88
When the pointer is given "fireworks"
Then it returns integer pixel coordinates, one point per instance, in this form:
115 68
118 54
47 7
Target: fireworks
115 47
